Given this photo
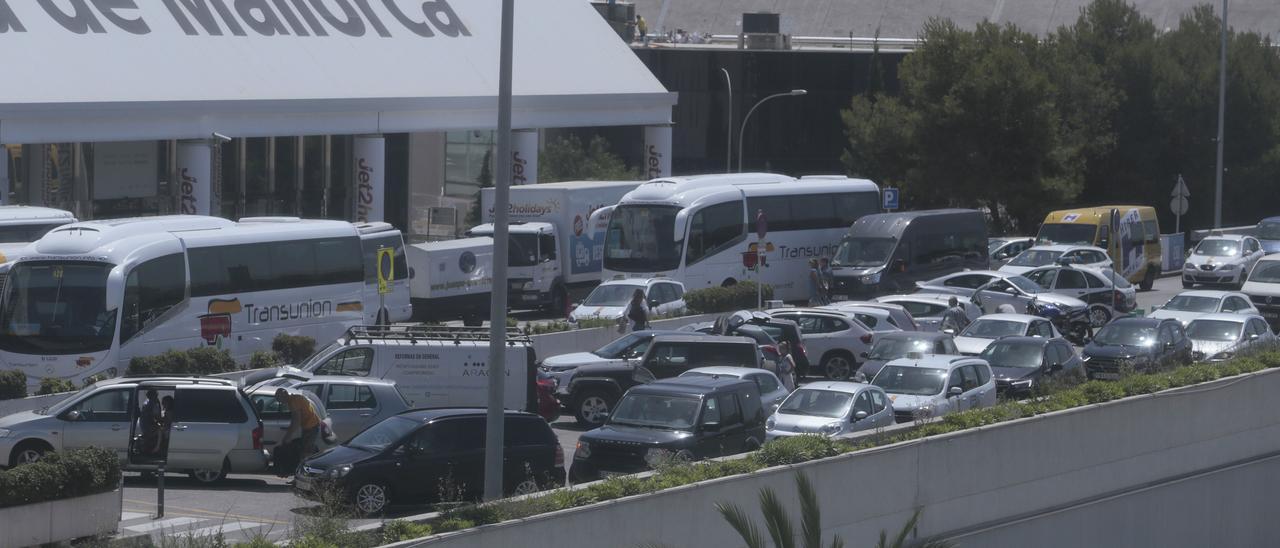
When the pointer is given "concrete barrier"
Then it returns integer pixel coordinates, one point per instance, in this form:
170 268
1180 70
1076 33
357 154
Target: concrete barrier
60 520
1043 476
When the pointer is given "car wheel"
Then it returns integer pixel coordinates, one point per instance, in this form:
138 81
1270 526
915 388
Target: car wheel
838 366
208 475
1099 316
370 499
751 445
1243 278
28 452
1149 280
592 408
526 487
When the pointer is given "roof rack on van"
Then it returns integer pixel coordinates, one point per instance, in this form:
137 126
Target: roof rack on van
423 333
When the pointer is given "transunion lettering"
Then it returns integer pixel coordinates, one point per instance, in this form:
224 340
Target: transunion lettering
293 311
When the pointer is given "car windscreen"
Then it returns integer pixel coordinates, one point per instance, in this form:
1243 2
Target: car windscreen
1269 230
817 403
1129 335
1066 234
382 435
614 349
703 354
611 295
993 245
1192 303
656 411
915 381
1218 247
1035 257
1024 284
993 329
1011 354
1266 272
1213 330
896 347
862 252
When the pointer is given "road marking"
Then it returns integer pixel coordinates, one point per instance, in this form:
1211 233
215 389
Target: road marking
126 516
162 524
210 514
225 528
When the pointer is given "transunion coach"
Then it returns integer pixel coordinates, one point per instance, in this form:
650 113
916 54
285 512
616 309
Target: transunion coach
701 230
88 297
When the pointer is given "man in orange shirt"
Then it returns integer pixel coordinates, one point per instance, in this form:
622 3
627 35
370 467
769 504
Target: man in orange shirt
304 421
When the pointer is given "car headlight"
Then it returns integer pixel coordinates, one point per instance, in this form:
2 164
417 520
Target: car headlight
339 472
1086 358
832 428
4 432
1229 267
1025 383
871 278
583 450
1188 266
1219 356
769 424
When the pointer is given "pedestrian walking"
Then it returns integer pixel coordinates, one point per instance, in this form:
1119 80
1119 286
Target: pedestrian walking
815 284
954 317
786 366
643 28
638 311
828 279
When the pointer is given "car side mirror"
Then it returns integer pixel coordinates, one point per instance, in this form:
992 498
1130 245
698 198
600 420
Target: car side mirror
954 391
653 303
864 355
710 427
859 416
1055 367
72 416
1253 336
1011 291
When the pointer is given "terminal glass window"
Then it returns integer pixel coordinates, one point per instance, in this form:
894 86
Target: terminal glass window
468 163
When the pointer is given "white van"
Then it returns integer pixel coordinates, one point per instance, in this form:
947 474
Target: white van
432 366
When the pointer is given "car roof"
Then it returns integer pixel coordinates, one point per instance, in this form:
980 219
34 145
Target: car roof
934 361
1215 293
685 385
1009 238
686 337
1232 237
167 380
725 370
1140 321
347 379
836 386
1227 317
1022 318
913 335
1037 341
640 281
965 272
922 297
426 415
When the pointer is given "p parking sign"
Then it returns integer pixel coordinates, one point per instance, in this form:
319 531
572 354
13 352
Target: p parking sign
386 269
890 197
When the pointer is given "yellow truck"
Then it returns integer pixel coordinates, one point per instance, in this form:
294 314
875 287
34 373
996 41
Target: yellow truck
1135 250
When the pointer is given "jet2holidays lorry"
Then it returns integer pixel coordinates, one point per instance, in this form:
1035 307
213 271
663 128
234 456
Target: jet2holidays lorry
555 245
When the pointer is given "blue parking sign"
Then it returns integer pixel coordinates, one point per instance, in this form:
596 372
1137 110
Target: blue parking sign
890 196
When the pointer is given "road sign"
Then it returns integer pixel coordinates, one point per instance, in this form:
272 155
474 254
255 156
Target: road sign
1179 205
890 197
386 269
1180 190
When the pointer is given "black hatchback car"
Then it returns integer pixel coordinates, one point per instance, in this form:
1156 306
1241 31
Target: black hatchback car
686 418
432 455
1146 344
1021 363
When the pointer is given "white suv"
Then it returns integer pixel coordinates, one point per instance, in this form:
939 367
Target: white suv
835 338
1263 288
932 386
214 429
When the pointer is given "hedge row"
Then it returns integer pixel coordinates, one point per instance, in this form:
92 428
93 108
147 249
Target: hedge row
64 475
205 360
13 385
798 449
741 295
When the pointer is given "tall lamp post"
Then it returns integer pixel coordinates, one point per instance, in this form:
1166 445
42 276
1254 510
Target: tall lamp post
743 130
728 139
1222 115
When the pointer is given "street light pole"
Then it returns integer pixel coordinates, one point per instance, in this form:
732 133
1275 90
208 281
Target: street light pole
743 130
728 139
1222 115
497 370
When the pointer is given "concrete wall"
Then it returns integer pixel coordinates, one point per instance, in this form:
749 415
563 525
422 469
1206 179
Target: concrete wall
586 340
1045 481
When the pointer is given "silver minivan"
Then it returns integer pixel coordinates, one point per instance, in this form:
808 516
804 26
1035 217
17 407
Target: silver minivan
213 429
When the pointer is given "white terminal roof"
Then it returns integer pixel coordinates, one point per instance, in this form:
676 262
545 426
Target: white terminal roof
244 69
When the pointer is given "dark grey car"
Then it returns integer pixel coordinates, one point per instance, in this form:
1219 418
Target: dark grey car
1020 363
896 344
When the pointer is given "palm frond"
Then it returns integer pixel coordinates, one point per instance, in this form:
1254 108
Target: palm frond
938 543
884 540
777 520
837 542
901 540
741 523
810 513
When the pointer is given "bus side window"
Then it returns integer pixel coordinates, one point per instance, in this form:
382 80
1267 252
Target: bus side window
151 289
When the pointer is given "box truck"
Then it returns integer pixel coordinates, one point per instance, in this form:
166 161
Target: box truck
555 245
451 279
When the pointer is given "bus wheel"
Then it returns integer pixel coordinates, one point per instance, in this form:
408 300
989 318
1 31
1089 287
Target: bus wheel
1149 280
559 301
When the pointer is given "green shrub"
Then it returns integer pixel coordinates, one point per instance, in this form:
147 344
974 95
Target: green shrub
95 378
293 349
13 385
793 449
57 476
1143 384
1193 374
397 530
264 359
53 385
205 360
1101 391
725 299
453 524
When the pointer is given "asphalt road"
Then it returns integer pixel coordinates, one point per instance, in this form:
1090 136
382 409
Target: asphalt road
245 505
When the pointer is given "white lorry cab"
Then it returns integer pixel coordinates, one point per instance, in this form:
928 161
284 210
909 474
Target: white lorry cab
701 230
555 244
432 366
90 296
452 279
20 225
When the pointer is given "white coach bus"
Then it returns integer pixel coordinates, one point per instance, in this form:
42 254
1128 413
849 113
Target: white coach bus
20 225
700 230
90 296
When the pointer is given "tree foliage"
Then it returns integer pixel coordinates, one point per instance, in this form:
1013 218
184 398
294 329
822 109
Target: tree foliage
567 159
1108 109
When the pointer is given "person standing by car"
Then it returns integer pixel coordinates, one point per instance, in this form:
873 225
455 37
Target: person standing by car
786 366
304 422
149 421
828 279
815 284
638 311
954 319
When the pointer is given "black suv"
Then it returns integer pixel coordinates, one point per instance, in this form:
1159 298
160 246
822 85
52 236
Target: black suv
593 390
1146 344
432 455
684 419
